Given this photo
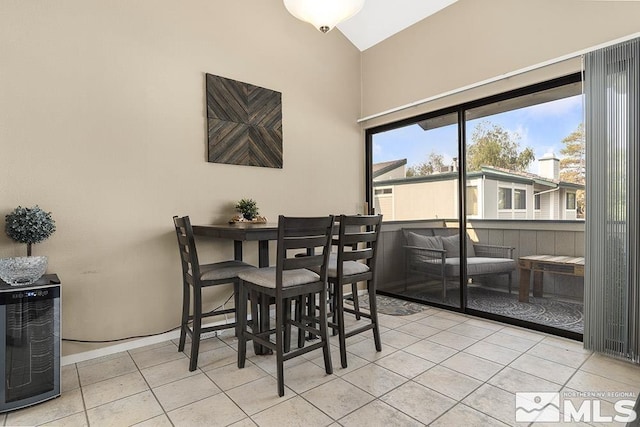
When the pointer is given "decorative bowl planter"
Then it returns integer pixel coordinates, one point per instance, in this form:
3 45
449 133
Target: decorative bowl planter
20 271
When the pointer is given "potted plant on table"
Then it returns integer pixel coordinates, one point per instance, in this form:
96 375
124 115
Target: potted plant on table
26 225
248 208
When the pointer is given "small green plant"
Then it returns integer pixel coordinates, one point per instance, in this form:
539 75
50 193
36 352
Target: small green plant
29 225
248 208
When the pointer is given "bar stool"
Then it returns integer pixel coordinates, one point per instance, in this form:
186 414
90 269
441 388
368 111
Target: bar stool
291 278
195 277
355 261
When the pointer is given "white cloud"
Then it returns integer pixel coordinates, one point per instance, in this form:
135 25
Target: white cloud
556 108
377 150
523 132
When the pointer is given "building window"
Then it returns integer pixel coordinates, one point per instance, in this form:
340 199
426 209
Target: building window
472 200
571 201
536 201
380 191
504 198
520 199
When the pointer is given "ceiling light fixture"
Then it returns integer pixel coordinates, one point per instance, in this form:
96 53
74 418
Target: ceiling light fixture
323 14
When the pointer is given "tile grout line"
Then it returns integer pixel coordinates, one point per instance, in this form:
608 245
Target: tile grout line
151 388
84 403
395 350
458 351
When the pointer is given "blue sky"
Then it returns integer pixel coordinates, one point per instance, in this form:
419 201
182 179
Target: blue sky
541 127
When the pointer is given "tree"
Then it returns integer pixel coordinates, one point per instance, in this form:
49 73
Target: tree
572 164
434 164
494 146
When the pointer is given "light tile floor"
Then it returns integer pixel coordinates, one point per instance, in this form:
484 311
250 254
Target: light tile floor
436 368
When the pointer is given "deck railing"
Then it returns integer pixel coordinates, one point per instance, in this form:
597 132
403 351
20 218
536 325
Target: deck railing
527 237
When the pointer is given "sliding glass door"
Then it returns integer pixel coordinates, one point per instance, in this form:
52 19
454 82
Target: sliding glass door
521 159
414 184
525 167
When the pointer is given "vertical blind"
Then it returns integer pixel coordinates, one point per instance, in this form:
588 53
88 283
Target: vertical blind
612 282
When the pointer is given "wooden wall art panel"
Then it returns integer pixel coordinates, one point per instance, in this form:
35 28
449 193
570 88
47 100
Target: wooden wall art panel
244 122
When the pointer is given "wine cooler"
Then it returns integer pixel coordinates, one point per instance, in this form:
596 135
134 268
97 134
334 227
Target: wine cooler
30 343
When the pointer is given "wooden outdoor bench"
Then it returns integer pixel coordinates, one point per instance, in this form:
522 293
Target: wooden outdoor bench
540 264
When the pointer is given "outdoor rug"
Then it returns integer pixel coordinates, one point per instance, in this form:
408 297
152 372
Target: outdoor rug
546 311
388 305
560 314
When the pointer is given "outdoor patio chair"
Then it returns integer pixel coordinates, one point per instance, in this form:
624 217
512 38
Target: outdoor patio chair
432 255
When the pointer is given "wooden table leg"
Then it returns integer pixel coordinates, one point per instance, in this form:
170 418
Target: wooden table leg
537 283
525 278
264 302
263 253
237 250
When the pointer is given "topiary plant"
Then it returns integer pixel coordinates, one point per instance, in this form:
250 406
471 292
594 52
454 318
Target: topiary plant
248 208
29 225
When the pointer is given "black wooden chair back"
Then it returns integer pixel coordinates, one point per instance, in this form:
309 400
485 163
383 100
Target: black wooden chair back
356 258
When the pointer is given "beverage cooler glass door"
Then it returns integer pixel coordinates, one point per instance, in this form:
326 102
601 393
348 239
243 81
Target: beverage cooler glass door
30 331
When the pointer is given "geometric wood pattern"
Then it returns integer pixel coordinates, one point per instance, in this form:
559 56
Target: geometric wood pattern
244 123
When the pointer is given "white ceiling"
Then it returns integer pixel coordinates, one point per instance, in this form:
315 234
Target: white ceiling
380 19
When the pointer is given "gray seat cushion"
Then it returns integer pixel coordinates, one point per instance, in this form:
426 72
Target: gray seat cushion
266 277
224 270
349 267
480 265
422 241
452 245
426 242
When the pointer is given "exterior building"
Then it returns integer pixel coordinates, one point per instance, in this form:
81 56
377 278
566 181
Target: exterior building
492 193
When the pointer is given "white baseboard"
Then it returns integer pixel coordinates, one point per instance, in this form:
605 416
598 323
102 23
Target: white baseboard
142 342
130 345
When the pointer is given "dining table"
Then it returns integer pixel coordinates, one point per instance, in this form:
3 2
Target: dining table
240 232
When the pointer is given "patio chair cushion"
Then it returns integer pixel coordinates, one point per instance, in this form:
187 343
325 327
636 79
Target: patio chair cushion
477 266
422 241
266 277
451 245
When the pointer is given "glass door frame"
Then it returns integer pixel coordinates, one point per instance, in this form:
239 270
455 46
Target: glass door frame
461 110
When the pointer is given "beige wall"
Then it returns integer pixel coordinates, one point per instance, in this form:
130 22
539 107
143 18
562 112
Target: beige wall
102 122
418 201
475 40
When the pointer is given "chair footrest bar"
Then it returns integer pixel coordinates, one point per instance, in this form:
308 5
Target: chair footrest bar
352 311
307 328
260 340
353 332
205 329
218 327
219 312
303 350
